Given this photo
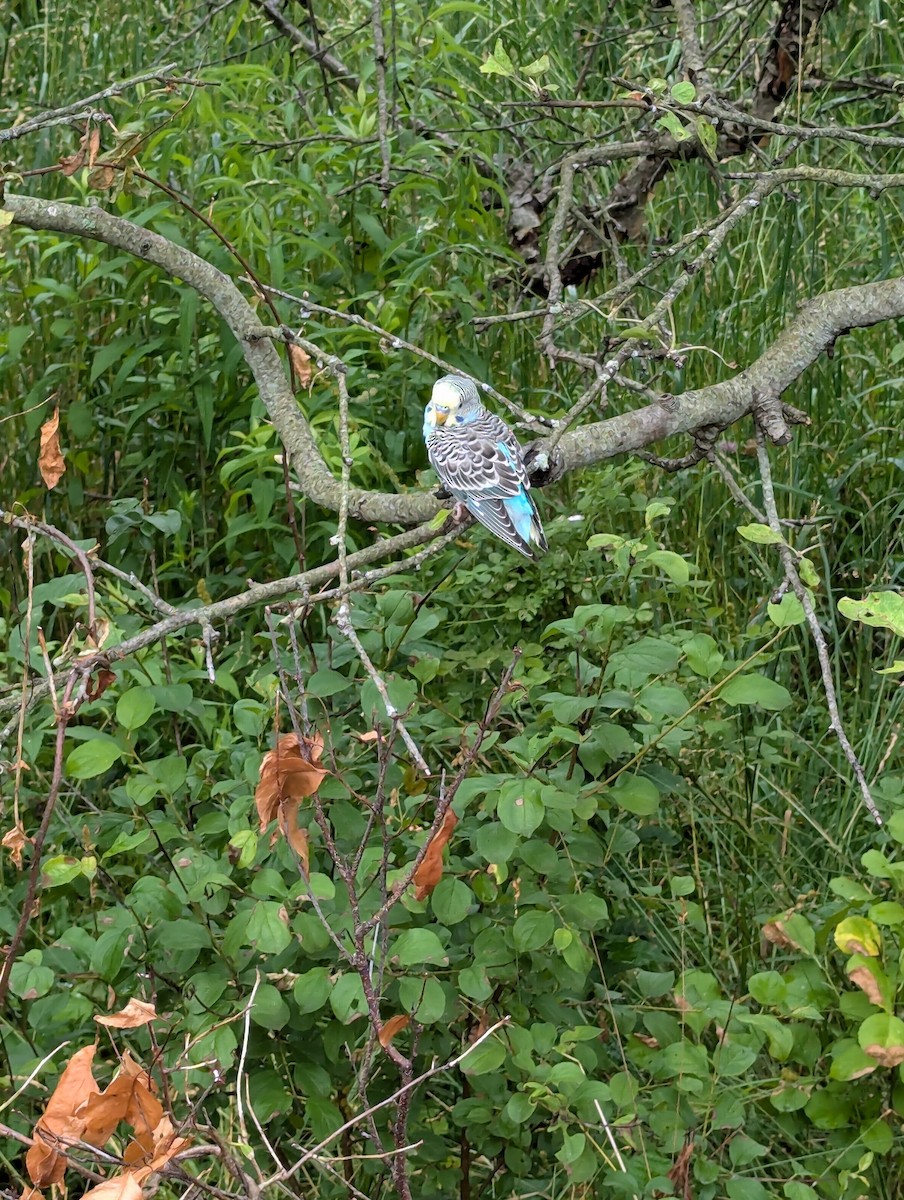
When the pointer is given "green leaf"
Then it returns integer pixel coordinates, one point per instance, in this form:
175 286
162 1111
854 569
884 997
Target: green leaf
745 1189
761 534
347 998
134 708
708 137
423 998
882 1038
311 989
799 1191
768 988
882 610
672 125
520 810
60 870
494 843
756 689
850 1062
538 67
673 565
414 947
789 611
683 92
269 1010
703 655
498 62
654 983
93 758
533 929
895 825
485 1058
452 901
28 978
268 927
327 682
636 794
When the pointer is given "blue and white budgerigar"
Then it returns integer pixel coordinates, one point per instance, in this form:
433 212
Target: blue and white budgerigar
478 459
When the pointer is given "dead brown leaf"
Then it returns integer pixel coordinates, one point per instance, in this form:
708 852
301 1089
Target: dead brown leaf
102 177
393 1026
430 872
99 683
297 838
61 1122
680 1171
93 136
165 1147
50 459
290 774
135 1014
886 1056
301 364
15 840
866 980
120 1187
128 1098
30 1192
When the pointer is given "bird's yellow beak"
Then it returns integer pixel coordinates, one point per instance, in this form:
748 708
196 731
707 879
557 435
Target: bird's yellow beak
439 418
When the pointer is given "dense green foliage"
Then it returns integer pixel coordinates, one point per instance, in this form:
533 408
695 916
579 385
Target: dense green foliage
659 788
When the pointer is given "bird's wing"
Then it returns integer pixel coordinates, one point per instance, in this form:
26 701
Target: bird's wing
471 465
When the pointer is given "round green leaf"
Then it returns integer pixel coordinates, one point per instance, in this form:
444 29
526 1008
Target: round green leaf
423 998
269 1010
756 689
417 946
533 929
451 901
520 811
488 1056
93 757
882 1038
311 990
636 794
134 707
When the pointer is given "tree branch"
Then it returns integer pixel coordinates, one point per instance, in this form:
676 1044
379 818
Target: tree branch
821 320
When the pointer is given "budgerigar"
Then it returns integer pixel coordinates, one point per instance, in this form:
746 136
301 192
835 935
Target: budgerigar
478 459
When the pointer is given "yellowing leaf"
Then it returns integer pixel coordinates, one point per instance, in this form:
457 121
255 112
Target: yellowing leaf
857 935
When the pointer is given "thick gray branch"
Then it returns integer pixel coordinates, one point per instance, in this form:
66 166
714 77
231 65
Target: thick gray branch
316 480
819 323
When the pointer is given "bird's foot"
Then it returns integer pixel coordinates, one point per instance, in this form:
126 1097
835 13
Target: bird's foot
459 512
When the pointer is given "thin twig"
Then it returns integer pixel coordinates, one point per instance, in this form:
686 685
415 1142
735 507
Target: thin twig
393 1099
825 664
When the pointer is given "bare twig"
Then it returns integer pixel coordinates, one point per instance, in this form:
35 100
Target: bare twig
393 1099
82 109
825 665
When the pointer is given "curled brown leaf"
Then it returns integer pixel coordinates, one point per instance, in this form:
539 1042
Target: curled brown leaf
62 1121
430 872
50 459
289 774
393 1026
136 1013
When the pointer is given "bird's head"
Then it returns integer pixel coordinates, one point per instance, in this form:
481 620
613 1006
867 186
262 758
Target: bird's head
454 401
